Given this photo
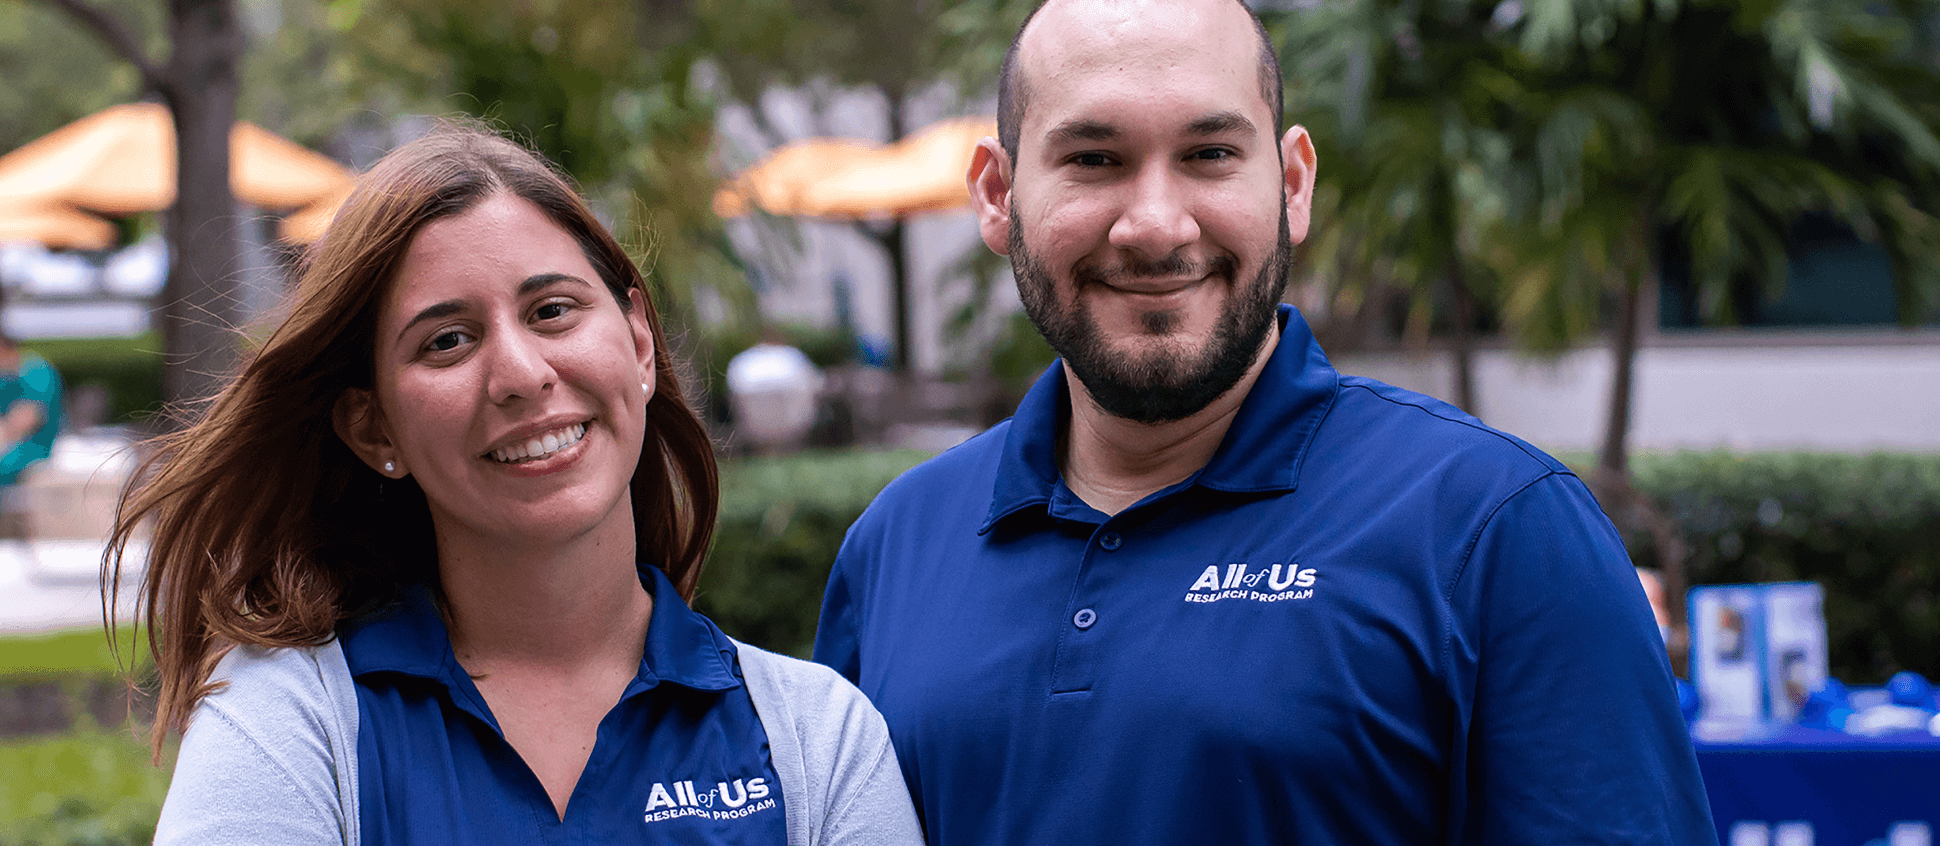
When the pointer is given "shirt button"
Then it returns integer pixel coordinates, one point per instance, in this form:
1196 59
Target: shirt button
1110 541
1084 618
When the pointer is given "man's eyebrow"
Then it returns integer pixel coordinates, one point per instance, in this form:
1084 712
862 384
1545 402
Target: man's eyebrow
1086 129
1220 123
1081 129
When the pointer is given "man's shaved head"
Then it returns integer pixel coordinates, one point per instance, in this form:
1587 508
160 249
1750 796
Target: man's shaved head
1013 91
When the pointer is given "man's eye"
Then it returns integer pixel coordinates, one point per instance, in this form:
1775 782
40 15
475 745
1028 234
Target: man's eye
1091 160
446 341
1213 154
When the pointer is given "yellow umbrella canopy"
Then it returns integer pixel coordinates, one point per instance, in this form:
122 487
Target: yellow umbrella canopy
848 179
306 225
122 160
55 226
784 181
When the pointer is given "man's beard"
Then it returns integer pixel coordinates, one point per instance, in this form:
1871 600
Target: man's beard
1154 387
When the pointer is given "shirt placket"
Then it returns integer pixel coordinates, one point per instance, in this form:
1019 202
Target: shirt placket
1086 621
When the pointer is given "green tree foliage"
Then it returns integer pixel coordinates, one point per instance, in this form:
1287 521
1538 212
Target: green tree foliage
57 73
608 90
1715 124
1570 149
1407 104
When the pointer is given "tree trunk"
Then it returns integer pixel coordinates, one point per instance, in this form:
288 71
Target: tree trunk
1461 336
1613 460
199 303
1628 508
894 243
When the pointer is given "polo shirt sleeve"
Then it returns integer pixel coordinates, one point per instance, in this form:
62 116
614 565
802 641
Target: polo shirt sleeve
835 632
1572 732
255 765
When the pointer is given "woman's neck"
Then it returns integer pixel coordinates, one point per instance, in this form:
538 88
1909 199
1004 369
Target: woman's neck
559 604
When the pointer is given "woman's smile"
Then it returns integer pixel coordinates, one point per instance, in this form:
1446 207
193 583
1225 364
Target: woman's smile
539 447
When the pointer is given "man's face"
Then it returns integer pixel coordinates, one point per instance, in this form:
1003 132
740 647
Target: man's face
1154 385
1148 206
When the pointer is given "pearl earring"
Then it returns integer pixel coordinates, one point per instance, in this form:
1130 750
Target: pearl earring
390 467
644 389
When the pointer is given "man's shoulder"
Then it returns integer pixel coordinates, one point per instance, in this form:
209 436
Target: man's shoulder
1417 434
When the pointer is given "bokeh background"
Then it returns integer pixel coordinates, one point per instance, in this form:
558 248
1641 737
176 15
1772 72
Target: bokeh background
1688 245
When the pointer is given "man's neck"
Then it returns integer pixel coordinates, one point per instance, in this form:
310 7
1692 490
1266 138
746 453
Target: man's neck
1111 462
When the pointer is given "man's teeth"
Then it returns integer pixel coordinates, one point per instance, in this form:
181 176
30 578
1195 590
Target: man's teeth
541 446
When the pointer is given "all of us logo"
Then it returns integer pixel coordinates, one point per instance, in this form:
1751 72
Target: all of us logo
1275 584
725 801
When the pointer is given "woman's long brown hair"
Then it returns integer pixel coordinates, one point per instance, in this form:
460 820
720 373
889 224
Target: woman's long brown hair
267 531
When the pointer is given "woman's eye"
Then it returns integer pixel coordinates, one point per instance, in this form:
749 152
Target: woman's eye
444 341
548 311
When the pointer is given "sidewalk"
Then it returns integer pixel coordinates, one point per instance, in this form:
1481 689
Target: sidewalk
46 585
53 580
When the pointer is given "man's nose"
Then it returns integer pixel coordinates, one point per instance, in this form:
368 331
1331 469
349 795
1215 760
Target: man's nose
1157 218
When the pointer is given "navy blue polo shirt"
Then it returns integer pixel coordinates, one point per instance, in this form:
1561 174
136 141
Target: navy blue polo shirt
681 758
1368 619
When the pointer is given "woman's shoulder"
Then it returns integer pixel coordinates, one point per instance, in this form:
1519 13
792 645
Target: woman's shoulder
269 755
793 676
822 708
283 688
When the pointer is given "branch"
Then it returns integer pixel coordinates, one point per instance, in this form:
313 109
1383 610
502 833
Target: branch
110 29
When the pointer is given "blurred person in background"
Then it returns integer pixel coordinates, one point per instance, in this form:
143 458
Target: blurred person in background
1203 588
30 418
419 573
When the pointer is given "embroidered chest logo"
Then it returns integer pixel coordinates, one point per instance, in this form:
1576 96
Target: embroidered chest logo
1280 583
727 800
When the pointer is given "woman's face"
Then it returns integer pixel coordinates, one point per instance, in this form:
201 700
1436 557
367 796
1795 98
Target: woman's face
509 382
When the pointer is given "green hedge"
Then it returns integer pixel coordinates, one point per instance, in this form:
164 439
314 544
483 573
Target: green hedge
89 787
1867 527
130 368
782 520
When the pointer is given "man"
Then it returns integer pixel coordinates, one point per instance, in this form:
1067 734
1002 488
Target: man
1202 588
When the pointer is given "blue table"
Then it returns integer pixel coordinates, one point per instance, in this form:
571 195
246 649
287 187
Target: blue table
1851 791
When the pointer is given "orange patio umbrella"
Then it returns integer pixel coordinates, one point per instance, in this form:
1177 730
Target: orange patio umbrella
122 160
849 179
306 225
55 226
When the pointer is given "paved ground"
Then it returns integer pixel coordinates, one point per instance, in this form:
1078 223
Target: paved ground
54 580
55 584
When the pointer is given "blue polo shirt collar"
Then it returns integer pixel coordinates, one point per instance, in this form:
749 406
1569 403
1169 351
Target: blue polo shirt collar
1262 451
409 638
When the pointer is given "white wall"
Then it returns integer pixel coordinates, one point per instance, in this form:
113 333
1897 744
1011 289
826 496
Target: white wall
1847 391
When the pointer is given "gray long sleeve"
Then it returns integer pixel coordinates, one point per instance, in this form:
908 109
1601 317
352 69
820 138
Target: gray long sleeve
269 757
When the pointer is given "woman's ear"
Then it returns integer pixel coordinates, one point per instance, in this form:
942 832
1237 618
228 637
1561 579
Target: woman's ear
360 425
642 341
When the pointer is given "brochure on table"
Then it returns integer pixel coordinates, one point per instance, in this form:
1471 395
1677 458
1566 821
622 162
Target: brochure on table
1757 651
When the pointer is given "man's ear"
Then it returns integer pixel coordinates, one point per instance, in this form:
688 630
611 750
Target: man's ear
360 425
1297 155
989 180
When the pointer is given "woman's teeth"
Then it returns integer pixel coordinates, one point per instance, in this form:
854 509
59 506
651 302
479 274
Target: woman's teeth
541 446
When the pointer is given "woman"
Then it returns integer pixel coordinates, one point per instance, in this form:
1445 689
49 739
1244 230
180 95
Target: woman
419 573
